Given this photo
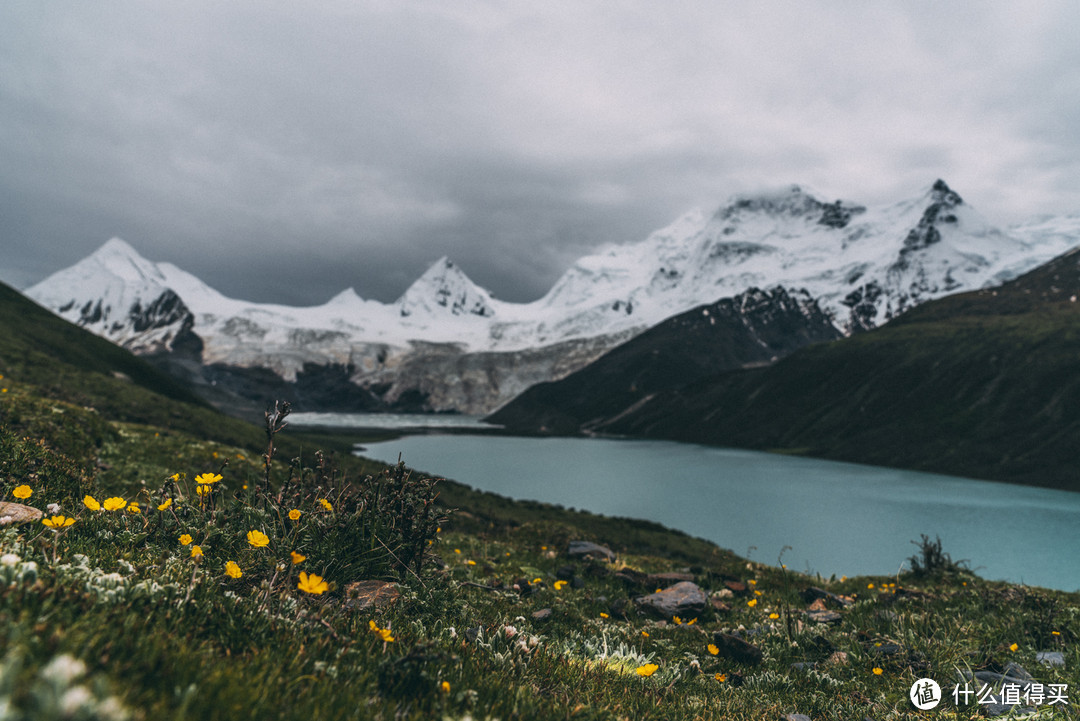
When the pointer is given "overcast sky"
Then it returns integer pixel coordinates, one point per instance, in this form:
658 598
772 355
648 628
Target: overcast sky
283 151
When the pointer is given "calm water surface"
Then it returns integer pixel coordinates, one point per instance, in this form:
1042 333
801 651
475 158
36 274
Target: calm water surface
838 518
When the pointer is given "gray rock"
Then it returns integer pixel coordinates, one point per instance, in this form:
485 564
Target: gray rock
683 599
589 549
796 717
1051 658
362 595
18 513
542 615
824 616
736 649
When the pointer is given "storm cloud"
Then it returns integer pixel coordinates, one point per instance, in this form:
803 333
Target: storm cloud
283 151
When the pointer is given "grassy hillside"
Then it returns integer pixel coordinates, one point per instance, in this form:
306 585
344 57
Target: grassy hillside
139 596
983 384
752 328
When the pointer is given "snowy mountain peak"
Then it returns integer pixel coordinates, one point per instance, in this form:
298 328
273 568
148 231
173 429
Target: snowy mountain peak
118 258
444 289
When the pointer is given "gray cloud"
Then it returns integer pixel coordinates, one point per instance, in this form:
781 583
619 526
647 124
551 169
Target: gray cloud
284 151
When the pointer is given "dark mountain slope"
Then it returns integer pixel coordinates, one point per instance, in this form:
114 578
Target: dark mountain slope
45 356
754 327
984 384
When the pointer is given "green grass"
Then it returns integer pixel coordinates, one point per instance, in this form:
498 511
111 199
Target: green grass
112 616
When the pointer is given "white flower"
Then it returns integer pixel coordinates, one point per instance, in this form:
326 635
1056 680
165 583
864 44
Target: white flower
74 700
9 559
64 669
510 631
54 508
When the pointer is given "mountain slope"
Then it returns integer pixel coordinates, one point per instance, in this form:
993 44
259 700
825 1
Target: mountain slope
752 328
863 265
984 384
45 357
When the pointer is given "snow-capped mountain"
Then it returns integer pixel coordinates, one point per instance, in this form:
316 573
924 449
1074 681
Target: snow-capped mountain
449 343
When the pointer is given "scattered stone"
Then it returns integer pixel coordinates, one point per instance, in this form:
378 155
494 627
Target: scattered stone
796 717
663 580
577 582
565 572
817 605
632 577
824 616
542 615
18 513
362 595
717 604
734 648
838 658
471 634
1051 658
813 594
725 593
587 549
735 586
683 599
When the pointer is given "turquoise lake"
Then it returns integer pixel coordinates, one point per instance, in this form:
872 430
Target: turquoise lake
837 518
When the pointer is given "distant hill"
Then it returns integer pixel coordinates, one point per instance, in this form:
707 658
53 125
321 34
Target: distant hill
752 328
983 384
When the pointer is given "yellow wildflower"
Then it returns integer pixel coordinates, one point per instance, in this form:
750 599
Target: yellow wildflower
166 504
312 584
134 508
752 602
558 585
536 580
692 621
207 478
297 557
445 686
384 633
115 504
58 522
603 615
752 582
203 490
774 615
232 570
174 477
870 585
258 539
645 634
677 620
23 492
91 503
294 514
185 539
1013 647
196 552
647 670
326 504
713 649
878 671
471 562
721 677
